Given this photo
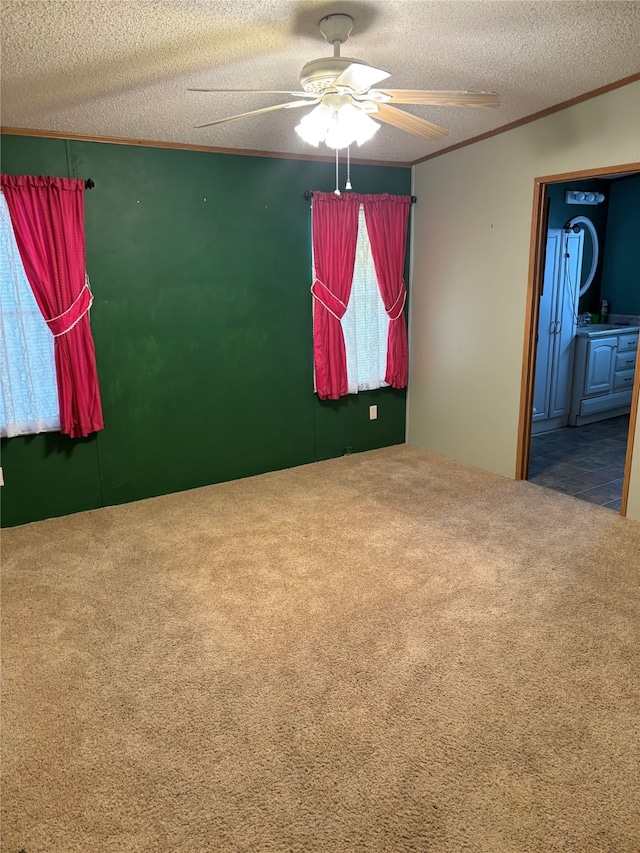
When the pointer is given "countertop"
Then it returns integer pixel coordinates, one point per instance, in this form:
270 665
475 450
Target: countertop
603 330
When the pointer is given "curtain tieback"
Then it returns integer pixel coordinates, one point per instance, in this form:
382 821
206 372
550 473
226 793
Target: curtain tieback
63 323
394 313
328 299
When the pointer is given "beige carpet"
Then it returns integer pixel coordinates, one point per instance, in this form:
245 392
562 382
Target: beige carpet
384 652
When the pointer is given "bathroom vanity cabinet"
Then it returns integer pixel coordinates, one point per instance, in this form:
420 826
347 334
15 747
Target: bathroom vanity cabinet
603 374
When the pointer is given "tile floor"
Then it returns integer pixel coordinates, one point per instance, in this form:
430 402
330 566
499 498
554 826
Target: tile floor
587 461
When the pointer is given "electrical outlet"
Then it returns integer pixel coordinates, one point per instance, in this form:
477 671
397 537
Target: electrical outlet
373 413
348 450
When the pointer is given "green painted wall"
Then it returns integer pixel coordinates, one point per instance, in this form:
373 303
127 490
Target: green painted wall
621 270
200 268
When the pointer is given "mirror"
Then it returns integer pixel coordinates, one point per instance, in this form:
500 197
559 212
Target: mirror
590 227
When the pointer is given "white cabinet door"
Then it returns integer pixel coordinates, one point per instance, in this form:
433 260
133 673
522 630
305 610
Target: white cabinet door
557 325
572 247
601 365
546 328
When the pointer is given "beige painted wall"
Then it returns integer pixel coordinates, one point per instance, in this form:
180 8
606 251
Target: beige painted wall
471 232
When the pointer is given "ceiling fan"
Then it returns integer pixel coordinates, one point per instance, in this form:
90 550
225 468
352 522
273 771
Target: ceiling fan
347 107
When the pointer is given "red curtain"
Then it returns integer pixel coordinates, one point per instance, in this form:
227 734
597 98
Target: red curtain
334 234
48 220
387 218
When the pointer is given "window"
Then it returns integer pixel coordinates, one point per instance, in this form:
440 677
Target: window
28 388
359 238
365 324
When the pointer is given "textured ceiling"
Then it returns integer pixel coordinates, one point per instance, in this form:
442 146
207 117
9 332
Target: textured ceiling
122 67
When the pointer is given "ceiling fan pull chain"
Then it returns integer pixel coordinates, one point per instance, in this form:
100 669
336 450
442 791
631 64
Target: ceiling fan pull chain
337 189
348 186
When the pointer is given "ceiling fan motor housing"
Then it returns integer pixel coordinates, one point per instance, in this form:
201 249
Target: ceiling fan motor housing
320 74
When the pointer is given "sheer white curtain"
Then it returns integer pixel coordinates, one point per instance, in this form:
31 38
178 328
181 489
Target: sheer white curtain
365 324
28 389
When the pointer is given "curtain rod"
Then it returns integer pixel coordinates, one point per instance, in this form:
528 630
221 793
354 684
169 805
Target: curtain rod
308 194
88 184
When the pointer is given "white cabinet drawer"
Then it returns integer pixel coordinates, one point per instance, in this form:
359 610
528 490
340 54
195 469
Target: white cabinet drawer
623 379
605 402
626 360
627 342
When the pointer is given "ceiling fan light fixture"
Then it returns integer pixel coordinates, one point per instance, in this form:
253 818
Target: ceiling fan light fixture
337 128
314 126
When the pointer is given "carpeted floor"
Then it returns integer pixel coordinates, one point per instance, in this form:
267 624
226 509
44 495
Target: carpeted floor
384 652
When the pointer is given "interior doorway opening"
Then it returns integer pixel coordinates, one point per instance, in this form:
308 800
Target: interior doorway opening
580 388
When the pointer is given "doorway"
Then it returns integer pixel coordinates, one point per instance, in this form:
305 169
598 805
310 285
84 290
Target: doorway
575 435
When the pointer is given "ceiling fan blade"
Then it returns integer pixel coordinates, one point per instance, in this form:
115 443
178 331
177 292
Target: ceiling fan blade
445 99
410 123
360 77
287 106
256 91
